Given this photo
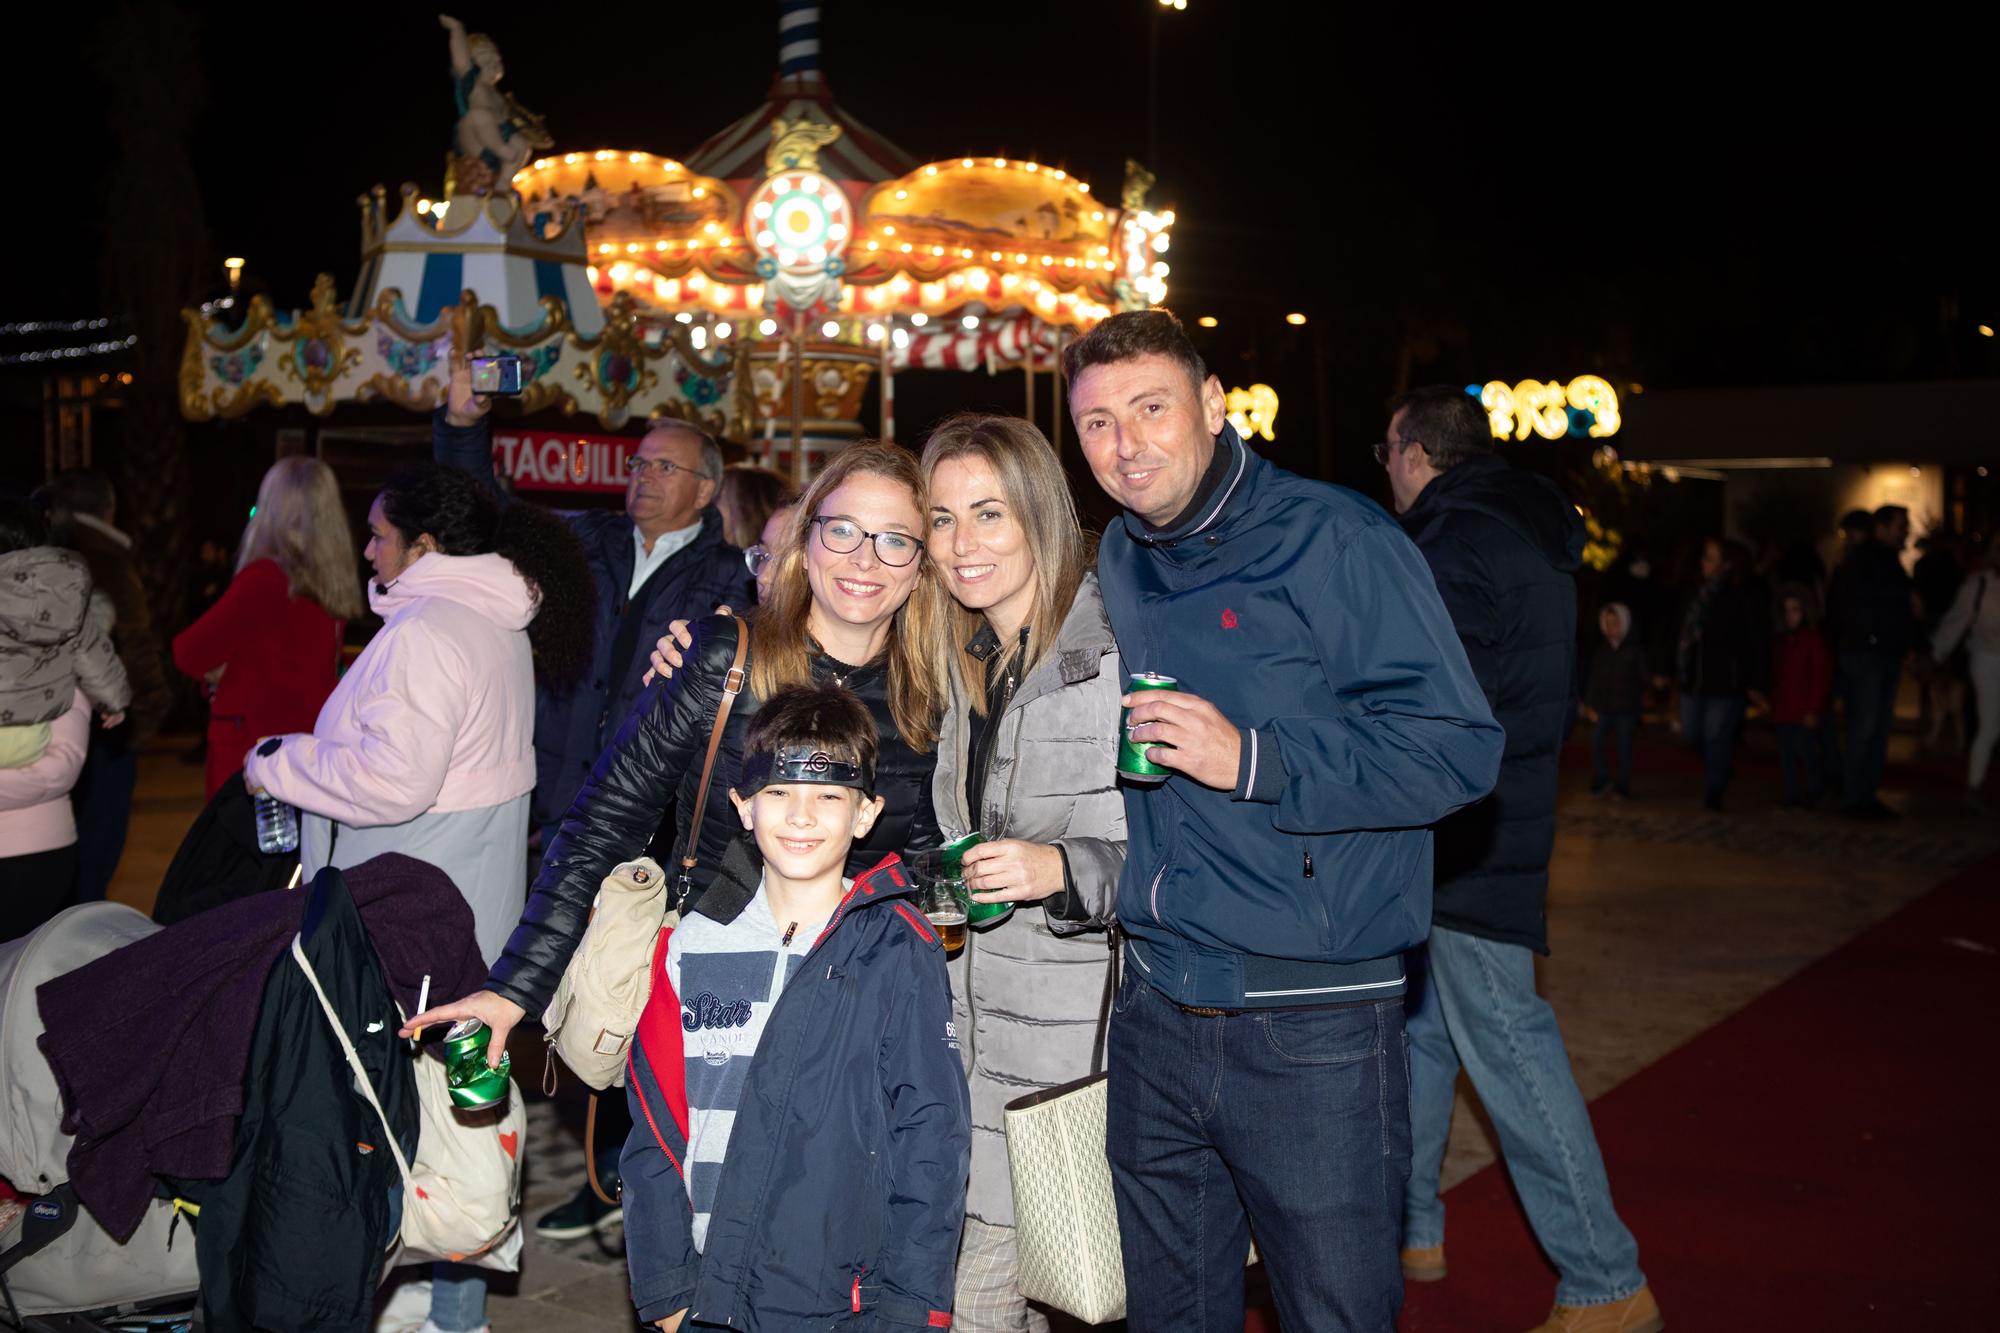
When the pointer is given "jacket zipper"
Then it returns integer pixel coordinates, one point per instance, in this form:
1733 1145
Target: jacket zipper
1006 808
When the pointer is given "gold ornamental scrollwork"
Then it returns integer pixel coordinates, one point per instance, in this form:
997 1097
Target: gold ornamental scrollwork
616 362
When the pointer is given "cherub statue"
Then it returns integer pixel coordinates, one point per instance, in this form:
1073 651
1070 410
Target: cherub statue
496 135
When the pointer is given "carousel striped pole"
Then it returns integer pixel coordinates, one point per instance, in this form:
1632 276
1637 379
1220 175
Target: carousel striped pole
888 374
798 38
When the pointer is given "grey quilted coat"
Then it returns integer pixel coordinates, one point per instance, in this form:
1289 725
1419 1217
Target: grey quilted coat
50 643
1027 992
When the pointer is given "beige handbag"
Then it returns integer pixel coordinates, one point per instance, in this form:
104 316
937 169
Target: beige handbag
591 1021
594 1014
1065 1218
1065 1215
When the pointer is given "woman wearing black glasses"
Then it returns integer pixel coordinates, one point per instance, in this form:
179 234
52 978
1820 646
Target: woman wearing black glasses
839 609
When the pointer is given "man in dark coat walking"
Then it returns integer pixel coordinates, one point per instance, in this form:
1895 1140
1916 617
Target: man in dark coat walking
1503 546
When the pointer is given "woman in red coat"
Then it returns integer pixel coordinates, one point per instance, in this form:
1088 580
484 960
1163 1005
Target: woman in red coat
270 649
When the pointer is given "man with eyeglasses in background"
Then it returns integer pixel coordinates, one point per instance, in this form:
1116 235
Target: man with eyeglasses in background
663 559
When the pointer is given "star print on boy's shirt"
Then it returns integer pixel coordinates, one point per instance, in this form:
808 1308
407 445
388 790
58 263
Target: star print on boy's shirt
728 978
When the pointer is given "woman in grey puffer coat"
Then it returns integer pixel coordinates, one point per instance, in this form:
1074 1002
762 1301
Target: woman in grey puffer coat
1027 753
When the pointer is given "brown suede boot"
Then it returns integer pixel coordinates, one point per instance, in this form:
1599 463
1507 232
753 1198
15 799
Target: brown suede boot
1637 1313
1425 1264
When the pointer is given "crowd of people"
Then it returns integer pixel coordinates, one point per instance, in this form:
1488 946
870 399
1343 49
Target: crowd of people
1821 654
1329 906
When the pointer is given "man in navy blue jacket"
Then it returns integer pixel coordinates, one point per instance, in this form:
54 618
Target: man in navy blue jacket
1504 545
1326 716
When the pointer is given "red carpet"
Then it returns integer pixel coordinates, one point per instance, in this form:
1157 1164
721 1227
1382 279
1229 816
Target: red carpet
1823 1159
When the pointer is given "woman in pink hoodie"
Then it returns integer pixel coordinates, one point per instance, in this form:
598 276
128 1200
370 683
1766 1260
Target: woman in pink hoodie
425 747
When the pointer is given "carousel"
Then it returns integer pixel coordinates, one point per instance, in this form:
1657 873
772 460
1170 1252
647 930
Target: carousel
759 287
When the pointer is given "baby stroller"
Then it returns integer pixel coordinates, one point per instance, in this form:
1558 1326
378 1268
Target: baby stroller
60 1272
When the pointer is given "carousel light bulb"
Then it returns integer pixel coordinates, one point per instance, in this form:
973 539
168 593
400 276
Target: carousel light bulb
999 161
874 333
830 329
1031 166
1208 321
767 327
970 322
723 330
872 245
697 337
604 249
901 337
907 247
423 205
836 231
889 230
636 158
761 210
621 273
966 163
1020 259
996 256
1295 318
766 238
1084 187
710 228
660 245
684 318
570 159
902 194
700 192
1160 242
930 171
920 319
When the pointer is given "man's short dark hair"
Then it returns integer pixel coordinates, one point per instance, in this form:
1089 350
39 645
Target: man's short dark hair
1888 514
1129 335
1447 421
84 490
826 717
1860 522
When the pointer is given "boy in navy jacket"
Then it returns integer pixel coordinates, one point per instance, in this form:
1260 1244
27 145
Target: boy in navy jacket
801 1122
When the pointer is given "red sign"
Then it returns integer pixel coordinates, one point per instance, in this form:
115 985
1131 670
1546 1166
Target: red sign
544 460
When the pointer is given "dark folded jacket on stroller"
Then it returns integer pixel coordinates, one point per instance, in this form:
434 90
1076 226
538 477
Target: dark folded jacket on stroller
150 1045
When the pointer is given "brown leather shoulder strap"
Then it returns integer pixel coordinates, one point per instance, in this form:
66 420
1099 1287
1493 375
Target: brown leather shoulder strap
732 685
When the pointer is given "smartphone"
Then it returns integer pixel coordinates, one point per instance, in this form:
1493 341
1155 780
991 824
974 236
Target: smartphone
496 374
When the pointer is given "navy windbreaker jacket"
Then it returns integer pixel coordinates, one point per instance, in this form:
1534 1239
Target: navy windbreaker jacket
843 1192
1505 545
1303 613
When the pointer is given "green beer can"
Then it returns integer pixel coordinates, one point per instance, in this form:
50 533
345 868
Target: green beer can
472 1084
1132 761
976 912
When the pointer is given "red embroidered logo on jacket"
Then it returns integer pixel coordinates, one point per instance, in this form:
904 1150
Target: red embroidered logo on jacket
1228 618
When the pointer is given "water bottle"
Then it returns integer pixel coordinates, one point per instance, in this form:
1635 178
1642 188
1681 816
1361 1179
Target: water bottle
277 825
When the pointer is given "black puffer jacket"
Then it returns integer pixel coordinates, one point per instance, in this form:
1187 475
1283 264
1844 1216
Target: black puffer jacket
656 758
1504 545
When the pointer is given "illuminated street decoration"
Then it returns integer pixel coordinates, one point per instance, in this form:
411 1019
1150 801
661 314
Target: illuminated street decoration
1253 411
1586 408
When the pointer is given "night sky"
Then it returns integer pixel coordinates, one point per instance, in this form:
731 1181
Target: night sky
1676 197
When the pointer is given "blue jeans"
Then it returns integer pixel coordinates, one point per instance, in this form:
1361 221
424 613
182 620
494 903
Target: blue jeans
1294 1121
458 1297
1868 683
1473 1001
1798 763
1622 726
103 801
1709 723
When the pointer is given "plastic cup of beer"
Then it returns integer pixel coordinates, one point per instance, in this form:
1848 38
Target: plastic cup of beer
943 901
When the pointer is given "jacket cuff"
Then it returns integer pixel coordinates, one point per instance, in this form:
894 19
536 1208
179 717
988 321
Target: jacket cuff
1066 904
1260 765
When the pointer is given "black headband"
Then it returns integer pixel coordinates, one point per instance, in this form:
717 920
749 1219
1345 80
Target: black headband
801 764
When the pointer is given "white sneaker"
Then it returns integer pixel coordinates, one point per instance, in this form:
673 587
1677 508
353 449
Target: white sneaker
408 1308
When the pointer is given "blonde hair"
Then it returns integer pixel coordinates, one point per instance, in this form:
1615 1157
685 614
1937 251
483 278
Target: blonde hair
300 524
780 656
1038 498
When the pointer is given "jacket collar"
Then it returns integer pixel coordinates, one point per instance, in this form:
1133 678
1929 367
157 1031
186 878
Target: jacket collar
1216 518
741 870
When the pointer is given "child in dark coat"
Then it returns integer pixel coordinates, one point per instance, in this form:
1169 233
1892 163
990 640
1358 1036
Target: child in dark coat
1802 679
1613 698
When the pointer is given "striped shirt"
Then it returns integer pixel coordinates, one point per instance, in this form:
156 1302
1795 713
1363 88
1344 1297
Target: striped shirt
728 978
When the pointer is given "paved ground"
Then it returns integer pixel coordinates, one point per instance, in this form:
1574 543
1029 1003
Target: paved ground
1663 919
